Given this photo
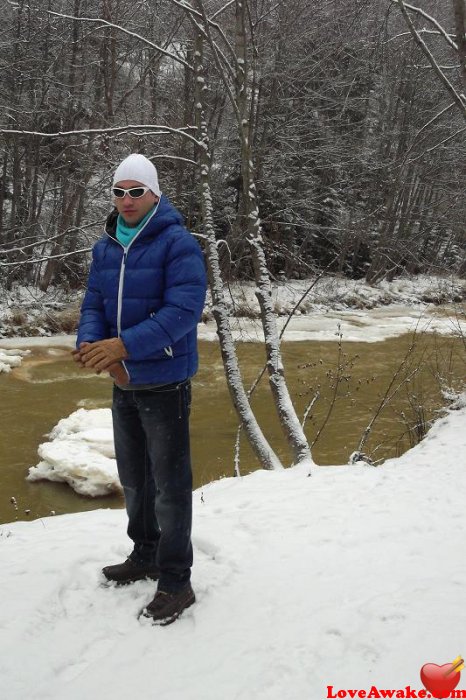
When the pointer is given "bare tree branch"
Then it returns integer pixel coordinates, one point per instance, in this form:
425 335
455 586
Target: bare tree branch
433 21
18 263
44 241
459 9
460 100
421 31
164 130
222 9
105 23
207 22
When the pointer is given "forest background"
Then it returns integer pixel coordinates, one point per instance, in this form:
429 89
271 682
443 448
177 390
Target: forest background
356 144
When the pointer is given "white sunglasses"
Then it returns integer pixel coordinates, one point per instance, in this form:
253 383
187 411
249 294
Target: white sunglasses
133 192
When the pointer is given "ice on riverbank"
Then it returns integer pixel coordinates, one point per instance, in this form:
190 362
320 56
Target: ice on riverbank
351 578
25 311
11 357
340 293
80 452
367 326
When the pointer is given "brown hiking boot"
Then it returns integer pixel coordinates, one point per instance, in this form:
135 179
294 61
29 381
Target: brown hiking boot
166 607
130 571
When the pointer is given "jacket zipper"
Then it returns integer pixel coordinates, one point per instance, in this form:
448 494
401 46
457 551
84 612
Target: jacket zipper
120 300
120 289
122 274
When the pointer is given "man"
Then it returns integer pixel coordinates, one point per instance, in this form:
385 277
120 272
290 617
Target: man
145 295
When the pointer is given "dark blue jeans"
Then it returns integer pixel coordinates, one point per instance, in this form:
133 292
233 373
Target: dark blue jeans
151 432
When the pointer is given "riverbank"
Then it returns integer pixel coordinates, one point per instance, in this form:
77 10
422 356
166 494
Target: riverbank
323 324
358 587
26 311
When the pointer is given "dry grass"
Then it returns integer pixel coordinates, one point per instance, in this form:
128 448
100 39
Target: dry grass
65 321
18 317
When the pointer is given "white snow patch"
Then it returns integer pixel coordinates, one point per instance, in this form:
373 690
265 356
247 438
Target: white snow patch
365 313
368 326
37 341
342 294
11 357
80 453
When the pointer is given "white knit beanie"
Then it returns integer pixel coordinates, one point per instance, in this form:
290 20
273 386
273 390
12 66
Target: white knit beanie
139 168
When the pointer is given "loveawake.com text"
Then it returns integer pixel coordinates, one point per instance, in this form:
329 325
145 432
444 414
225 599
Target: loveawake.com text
374 692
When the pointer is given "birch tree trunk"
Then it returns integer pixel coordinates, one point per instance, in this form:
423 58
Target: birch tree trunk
459 8
289 421
257 440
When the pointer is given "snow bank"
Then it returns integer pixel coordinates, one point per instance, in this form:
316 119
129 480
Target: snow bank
351 578
81 453
368 326
363 313
11 358
339 293
68 341
26 311
323 324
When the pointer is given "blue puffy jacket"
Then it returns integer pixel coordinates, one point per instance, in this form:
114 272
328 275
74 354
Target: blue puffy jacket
150 294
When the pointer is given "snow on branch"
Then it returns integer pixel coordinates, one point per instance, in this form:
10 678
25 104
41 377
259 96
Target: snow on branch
105 23
421 31
222 9
164 130
424 128
433 21
166 156
188 8
203 23
459 100
217 54
444 141
18 263
49 239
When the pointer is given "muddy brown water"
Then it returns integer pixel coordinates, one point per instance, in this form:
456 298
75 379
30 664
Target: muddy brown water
48 387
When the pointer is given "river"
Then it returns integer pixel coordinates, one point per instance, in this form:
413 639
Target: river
48 386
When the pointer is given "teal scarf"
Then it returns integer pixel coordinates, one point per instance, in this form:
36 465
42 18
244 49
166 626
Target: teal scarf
125 233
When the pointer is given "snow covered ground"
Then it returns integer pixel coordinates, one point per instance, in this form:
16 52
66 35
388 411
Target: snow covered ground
351 578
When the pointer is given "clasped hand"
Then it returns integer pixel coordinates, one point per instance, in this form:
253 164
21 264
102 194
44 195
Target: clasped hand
101 354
